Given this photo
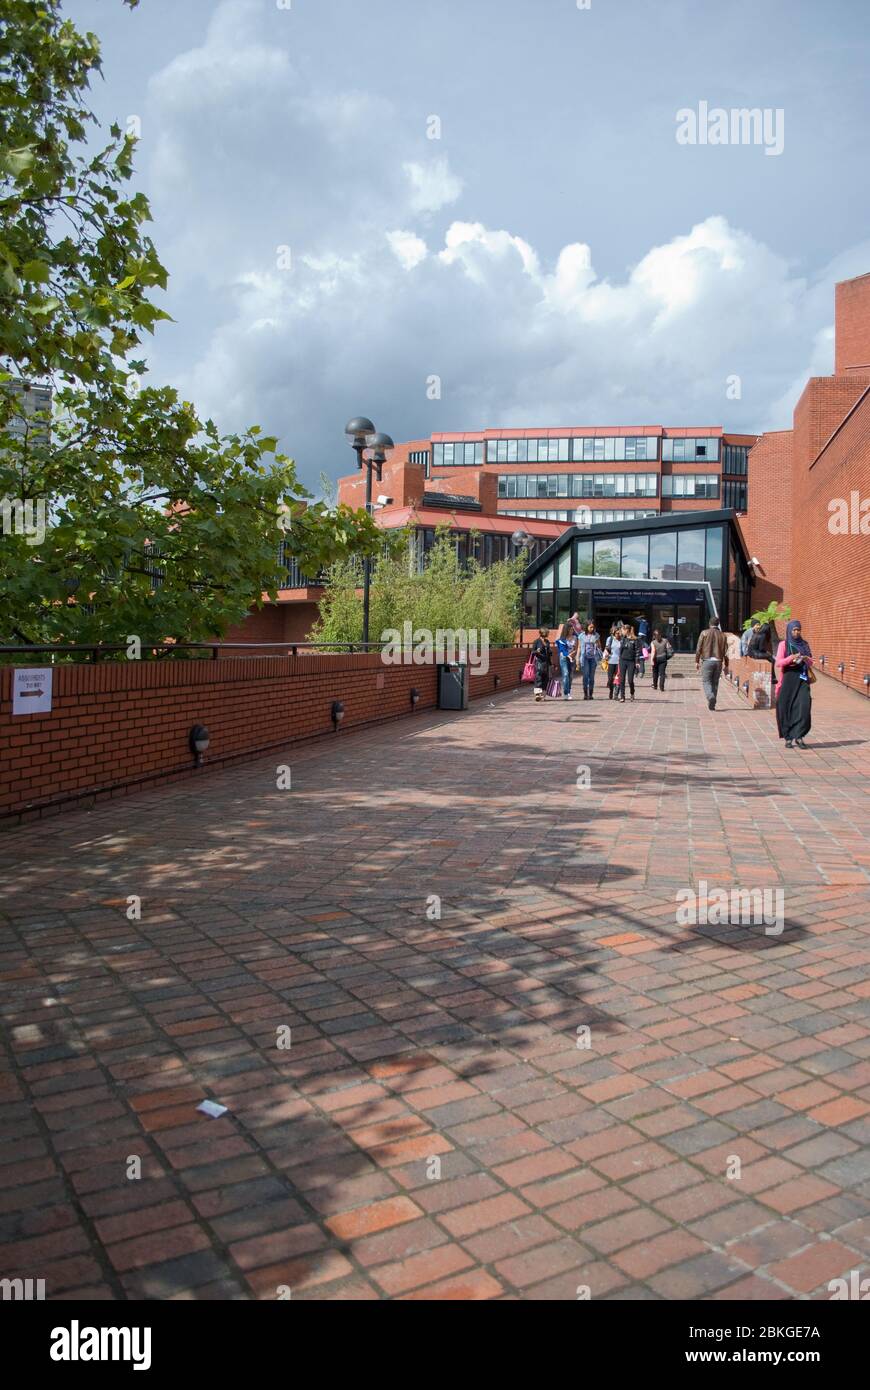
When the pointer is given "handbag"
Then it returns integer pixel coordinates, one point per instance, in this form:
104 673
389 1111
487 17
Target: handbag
604 665
529 670
554 689
811 676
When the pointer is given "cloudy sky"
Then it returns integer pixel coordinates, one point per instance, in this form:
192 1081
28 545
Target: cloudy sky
554 257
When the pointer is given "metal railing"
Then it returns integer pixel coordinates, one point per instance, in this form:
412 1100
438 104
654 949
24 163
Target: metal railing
158 649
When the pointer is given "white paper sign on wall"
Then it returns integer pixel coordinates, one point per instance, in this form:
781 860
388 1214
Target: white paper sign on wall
31 691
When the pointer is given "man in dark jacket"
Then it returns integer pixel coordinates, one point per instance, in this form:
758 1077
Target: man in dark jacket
711 656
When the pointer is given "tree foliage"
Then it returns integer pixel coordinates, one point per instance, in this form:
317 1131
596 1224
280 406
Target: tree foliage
157 525
444 596
773 613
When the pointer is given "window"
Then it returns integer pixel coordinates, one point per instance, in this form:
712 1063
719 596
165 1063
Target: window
735 496
635 557
663 555
736 459
690 554
583 557
690 485
713 562
682 450
580 484
606 558
437 455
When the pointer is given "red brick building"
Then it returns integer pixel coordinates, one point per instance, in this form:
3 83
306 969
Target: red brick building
809 514
802 497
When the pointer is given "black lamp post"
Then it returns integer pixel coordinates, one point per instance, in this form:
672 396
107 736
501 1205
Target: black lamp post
362 435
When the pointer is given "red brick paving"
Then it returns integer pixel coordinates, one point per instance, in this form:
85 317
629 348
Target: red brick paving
441 1127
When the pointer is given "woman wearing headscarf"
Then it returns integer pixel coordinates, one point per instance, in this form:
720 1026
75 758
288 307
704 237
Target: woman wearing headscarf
794 665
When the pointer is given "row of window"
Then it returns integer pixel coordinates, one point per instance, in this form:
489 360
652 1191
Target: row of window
694 554
690 485
735 495
578 485
735 458
582 515
457 455
485 548
586 449
690 450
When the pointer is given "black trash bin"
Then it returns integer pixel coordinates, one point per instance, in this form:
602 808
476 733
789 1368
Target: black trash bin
453 685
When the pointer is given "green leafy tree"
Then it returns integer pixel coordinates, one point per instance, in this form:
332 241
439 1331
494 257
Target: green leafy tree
156 524
773 613
444 595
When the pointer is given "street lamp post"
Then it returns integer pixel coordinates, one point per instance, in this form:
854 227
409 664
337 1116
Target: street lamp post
362 435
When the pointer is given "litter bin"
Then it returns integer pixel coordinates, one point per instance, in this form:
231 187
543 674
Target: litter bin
453 685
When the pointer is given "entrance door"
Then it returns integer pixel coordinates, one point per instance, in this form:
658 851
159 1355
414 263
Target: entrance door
689 623
607 614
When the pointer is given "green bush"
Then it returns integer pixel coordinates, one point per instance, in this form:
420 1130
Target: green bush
443 596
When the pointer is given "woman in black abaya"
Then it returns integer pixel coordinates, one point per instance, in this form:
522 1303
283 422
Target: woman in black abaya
794 665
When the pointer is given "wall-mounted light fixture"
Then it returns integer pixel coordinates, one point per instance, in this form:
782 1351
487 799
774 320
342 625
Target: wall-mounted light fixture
496 681
415 698
199 741
822 660
841 667
746 689
337 713
867 680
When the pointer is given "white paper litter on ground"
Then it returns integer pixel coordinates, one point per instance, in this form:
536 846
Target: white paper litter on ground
211 1107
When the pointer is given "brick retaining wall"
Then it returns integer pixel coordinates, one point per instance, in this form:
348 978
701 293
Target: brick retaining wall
117 725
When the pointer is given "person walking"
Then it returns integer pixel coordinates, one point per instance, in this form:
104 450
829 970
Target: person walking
711 657
541 651
661 651
565 644
590 653
794 704
612 646
642 643
627 662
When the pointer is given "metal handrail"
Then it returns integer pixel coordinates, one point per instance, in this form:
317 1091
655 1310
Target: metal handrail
214 647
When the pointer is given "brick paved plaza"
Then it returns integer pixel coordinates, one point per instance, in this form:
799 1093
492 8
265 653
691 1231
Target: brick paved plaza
420 1043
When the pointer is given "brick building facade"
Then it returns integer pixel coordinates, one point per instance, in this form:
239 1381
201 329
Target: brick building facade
809 515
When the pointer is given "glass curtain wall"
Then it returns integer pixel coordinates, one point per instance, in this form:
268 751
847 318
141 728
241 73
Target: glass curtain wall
695 553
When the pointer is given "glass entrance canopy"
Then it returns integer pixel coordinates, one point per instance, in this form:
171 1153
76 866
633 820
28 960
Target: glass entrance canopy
692 560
